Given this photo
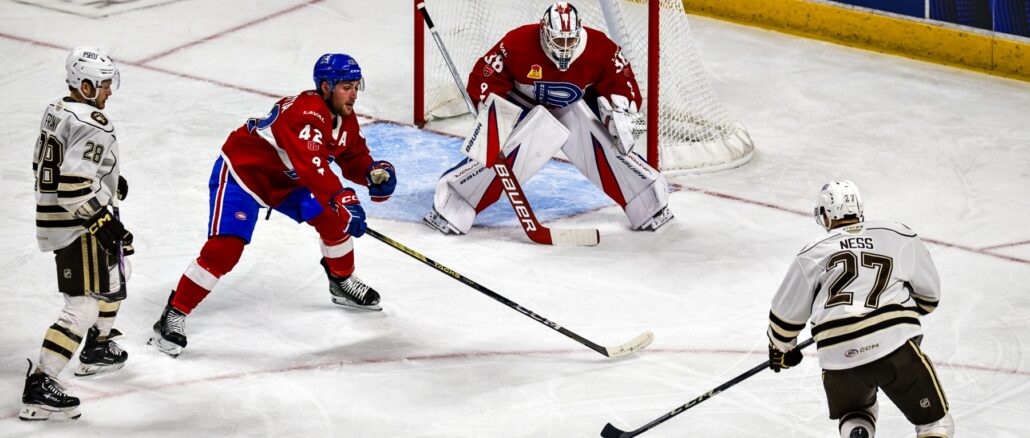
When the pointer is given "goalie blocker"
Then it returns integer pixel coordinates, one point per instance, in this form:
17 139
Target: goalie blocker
469 188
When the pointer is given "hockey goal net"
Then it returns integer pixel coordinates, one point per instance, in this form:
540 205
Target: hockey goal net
692 131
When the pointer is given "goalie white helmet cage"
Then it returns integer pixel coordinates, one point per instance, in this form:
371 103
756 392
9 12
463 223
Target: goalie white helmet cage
838 200
93 65
560 32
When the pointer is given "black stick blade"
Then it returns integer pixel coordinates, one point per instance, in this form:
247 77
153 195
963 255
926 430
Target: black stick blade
610 431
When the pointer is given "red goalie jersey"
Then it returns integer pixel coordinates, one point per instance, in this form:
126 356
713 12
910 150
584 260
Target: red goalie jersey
292 147
517 66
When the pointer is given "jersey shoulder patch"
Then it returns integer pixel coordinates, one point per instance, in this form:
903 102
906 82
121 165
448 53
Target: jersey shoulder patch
99 118
87 115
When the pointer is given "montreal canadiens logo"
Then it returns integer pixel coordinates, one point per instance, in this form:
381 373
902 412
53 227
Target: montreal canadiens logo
851 353
241 215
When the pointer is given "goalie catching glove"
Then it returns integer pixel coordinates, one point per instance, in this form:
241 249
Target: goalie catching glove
352 215
622 119
382 179
779 360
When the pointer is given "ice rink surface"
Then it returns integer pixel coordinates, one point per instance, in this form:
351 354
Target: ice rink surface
943 150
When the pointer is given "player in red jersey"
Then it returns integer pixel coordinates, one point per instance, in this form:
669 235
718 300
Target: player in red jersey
560 65
281 161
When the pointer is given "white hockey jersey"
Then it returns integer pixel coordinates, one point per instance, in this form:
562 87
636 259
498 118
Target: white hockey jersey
863 287
75 160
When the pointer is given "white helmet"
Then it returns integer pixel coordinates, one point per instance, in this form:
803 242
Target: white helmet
560 32
838 200
92 65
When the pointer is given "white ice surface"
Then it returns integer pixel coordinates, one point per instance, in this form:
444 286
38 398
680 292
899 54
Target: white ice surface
944 150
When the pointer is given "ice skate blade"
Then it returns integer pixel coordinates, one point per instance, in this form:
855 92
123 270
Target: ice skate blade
43 413
92 370
350 304
661 218
164 346
446 230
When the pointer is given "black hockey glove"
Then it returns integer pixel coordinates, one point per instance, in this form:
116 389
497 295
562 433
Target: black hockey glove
109 232
779 360
123 188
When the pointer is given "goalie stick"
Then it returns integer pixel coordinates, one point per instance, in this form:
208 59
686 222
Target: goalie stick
535 230
610 431
637 343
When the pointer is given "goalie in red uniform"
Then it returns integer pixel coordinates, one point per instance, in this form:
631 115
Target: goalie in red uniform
281 161
549 70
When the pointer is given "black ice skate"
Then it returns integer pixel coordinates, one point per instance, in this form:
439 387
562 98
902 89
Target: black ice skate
351 292
44 399
100 356
661 218
437 222
170 331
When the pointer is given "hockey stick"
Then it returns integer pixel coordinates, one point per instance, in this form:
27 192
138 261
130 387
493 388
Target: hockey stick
610 431
536 231
121 261
637 343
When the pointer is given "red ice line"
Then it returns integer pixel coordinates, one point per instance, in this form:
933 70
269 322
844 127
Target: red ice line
452 356
983 251
227 31
987 251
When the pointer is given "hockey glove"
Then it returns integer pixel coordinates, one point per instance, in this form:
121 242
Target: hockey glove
779 360
351 214
382 179
123 188
622 119
108 231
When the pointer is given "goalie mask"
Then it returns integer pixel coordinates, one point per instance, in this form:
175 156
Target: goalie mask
560 33
838 200
89 64
335 67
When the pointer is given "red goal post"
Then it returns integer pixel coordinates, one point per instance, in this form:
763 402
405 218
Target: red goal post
692 132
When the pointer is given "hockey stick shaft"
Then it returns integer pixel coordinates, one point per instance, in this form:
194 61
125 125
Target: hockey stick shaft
535 230
611 431
636 344
121 257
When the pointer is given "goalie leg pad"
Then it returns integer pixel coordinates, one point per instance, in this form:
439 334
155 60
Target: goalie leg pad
453 211
642 191
470 187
